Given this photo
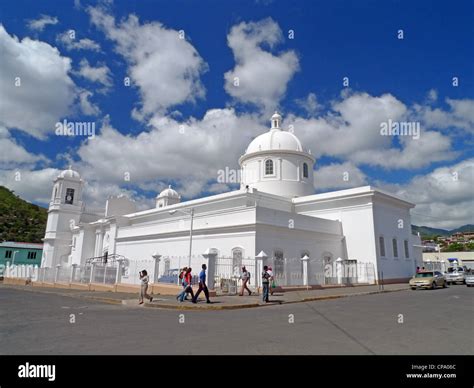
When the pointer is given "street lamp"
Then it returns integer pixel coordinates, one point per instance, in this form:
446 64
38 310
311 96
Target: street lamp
13 260
189 212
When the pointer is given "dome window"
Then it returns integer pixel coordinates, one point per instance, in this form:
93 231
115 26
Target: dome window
269 167
305 170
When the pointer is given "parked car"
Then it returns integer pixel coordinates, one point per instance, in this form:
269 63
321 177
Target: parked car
428 279
455 275
171 276
469 278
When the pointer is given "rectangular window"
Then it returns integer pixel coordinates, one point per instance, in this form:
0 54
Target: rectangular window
31 255
8 254
395 247
407 252
382 246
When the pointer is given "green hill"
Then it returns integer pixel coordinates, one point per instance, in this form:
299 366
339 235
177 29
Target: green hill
426 231
20 220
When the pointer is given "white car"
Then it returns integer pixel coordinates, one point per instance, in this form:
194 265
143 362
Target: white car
455 275
469 278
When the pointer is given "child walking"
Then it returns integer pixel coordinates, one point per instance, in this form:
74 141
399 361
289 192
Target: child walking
144 278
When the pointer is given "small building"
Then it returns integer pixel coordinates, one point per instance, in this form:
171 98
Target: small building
443 260
19 253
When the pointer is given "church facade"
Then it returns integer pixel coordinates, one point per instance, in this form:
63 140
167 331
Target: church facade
275 213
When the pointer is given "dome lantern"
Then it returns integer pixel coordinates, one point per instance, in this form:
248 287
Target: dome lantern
276 121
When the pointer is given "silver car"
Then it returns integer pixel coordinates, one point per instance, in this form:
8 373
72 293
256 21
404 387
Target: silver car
469 278
455 275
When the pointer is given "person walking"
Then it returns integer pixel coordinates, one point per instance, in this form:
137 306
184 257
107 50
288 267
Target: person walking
202 285
245 276
265 283
182 274
187 285
144 279
272 280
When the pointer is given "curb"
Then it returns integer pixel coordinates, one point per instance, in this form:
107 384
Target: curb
187 307
252 305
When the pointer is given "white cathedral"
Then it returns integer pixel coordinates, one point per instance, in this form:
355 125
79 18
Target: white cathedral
275 211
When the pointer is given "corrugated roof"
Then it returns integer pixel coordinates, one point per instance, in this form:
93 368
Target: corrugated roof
24 245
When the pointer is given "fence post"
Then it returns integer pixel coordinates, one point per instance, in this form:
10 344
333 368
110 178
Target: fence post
92 272
73 273
56 273
305 260
259 269
118 275
211 268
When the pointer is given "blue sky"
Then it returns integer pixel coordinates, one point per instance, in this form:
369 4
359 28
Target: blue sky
409 79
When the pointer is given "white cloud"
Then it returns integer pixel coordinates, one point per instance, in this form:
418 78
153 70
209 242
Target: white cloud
42 22
459 115
100 74
33 186
13 154
68 40
431 147
443 197
165 67
189 153
87 107
338 176
310 104
262 75
46 91
351 130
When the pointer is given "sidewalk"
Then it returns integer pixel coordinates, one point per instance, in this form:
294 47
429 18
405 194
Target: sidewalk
219 302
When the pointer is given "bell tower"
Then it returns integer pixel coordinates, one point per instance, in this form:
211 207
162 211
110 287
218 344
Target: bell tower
64 213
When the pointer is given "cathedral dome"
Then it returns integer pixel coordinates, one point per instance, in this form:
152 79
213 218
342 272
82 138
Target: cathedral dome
70 174
169 192
275 139
275 162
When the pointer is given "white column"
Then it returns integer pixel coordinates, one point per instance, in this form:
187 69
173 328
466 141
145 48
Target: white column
211 268
156 273
259 268
305 260
339 270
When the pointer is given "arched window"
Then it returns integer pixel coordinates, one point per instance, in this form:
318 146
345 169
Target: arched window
69 199
382 246
269 167
305 170
395 247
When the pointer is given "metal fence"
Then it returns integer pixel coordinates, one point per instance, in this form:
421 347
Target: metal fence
227 277
287 272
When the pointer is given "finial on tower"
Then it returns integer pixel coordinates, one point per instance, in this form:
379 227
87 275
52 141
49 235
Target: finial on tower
276 121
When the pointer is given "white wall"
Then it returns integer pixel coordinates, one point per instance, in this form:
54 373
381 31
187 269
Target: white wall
393 222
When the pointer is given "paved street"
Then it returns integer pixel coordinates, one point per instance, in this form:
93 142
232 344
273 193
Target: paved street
434 322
